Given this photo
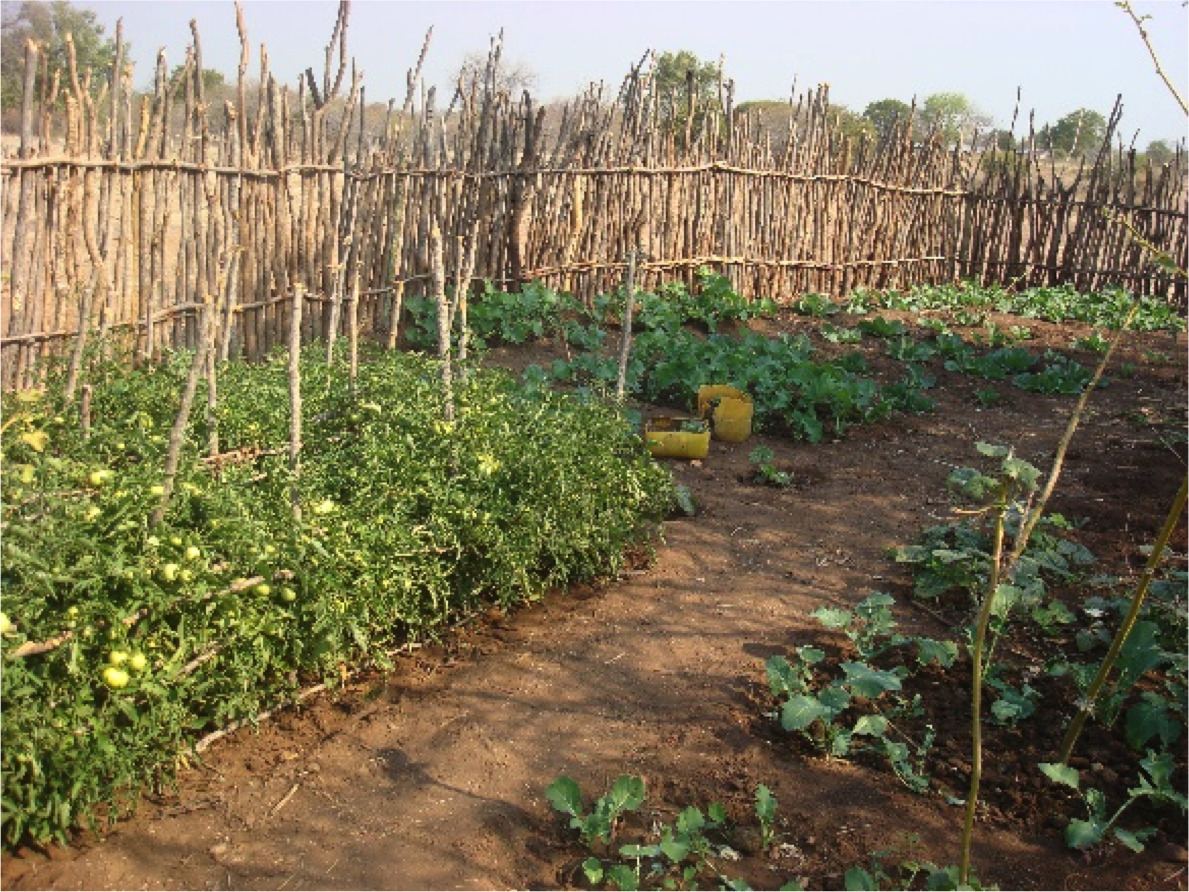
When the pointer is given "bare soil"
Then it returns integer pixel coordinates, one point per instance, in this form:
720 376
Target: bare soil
433 776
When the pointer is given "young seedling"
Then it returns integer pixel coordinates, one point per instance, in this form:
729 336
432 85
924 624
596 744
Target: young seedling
766 813
599 825
766 472
1154 783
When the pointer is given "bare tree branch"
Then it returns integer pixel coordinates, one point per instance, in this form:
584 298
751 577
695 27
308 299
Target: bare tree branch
1125 5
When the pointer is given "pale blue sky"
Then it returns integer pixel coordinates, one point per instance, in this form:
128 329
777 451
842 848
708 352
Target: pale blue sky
1065 54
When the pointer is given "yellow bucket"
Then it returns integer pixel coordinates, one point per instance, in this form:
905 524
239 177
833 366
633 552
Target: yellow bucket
732 413
665 438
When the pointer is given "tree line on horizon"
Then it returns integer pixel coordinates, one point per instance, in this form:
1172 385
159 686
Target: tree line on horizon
683 82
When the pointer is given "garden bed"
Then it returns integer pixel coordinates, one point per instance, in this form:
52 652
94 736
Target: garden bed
434 775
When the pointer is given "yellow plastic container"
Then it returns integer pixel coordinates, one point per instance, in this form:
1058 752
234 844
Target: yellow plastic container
665 438
731 414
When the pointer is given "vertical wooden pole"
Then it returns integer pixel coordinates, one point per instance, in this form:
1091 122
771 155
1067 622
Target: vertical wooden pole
625 343
438 286
178 435
295 399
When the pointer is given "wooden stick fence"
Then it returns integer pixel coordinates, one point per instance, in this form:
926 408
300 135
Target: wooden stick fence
142 209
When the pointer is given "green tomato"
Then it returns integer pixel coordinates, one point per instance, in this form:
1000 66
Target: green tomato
115 678
92 513
152 541
324 507
288 595
138 661
193 553
6 624
100 477
157 490
263 589
117 657
169 572
175 541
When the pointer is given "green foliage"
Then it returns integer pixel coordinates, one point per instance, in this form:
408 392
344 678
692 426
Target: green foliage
1104 309
886 115
880 327
408 523
1159 152
499 317
952 116
812 304
627 794
955 556
48 23
840 335
892 869
1060 375
852 125
1078 133
677 856
766 813
825 714
766 471
1095 343
987 397
684 84
1155 783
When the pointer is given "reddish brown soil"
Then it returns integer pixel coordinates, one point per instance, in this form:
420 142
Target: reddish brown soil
433 777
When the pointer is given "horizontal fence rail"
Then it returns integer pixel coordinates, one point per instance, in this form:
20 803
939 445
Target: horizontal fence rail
129 214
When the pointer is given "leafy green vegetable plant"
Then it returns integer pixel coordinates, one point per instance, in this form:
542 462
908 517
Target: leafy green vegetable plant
626 794
1154 783
131 643
813 304
766 472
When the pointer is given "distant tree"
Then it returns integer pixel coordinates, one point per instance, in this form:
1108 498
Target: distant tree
1004 140
769 115
1077 133
673 77
885 114
953 116
852 124
47 24
212 80
1159 152
513 78
674 69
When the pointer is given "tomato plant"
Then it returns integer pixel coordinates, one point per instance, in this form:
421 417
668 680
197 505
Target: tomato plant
124 642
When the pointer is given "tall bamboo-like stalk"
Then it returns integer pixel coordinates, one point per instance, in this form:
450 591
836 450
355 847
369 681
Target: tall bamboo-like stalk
353 330
976 685
625 340
438 287
177 435
1137 603
295 399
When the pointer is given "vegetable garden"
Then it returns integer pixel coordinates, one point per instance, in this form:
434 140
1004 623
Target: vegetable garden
336 553
132 644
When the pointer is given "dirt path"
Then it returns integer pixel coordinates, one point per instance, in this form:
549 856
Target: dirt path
434 777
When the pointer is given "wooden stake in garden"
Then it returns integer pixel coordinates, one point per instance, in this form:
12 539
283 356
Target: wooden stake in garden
178 435
295 399
625 341
438 289
353 322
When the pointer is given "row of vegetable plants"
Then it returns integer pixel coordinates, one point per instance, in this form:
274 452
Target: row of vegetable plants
855 701
128 642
